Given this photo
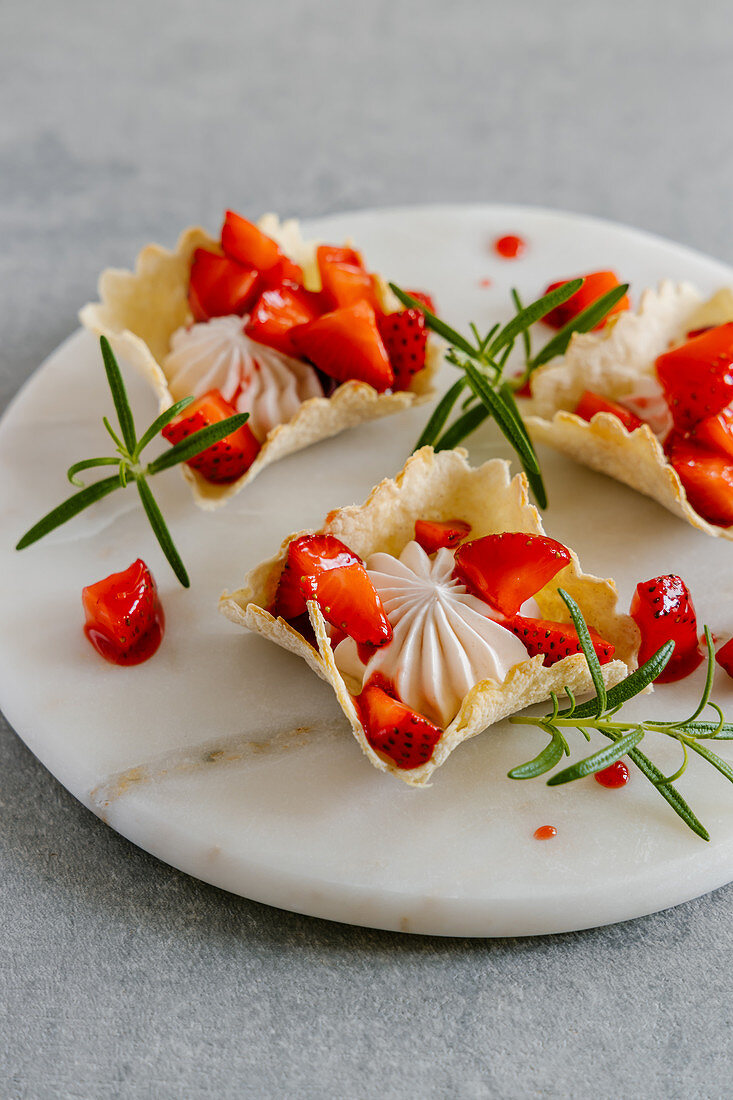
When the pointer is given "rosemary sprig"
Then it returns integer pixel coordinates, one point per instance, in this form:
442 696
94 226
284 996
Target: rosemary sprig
129 466
600 714
482 361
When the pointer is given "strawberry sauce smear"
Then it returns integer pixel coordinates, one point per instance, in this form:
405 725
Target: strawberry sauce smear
510 247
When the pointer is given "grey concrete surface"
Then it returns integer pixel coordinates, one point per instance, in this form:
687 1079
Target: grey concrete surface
120 977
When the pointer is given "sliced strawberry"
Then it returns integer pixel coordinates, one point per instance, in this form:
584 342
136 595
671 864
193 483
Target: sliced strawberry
697 377
346 344
423 298
707 478
219 286
724 657
277 311
124 616
434 533
506 569
716 432
224 461
555 640
662 610
596 284
592 403
345 279
405 337
393 730
321 567
244 242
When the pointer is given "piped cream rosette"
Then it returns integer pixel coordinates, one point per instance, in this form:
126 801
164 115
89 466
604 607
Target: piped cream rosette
443 486
140 311
618 363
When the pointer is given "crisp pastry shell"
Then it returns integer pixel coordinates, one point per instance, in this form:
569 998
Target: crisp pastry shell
443 486
138 311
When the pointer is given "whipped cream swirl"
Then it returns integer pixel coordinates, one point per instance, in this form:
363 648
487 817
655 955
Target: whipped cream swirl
445 640
257 379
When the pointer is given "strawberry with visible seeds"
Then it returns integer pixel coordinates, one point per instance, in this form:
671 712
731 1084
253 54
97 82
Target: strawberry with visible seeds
707 478
218 286
596 284
697 377
405 337
432 534
393 730
555 640
662 610
226 460
346 344
506 569
724 657
591 403
277 311
124 616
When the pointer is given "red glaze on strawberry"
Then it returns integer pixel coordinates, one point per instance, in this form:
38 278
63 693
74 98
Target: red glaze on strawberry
432 534
424 299
245 243
555 640
716 432
706 476
724 657
405 337
277 311
218 286
697 378
224 461
662 610
124 616
345 279
616 775
394 731
592 403
346 344
322 568
596 284
506 569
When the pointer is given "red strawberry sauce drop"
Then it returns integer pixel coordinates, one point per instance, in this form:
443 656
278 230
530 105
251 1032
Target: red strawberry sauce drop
614 776
545 832
509 247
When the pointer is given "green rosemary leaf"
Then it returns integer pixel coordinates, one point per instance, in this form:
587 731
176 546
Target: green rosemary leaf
590 654
716 731
534 312
704 698
599 760
632 685
460 428
88 464
440 414
116 439
584 322
161 532
702 750
435 324
194 444
160 422
526 338
119 395
553 751
68 509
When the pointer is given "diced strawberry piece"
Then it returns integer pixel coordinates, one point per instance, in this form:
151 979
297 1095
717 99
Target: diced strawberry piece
277 311
697 377
124 616
224 461
219 286
662 610
394 730
707 478
555 640
724 657
405 337
434 533
716 432
345 279
596 284
592 403
244 242
506 569
346 344
423 298
321 567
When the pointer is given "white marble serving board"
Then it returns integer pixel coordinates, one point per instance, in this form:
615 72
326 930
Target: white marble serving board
226 757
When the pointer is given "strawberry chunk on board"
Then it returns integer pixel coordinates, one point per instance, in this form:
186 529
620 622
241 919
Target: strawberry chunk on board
345 344
432 534
322 568
219 286
707 478
277 311
697 377
245 243
124 616
394 730
226 460
662 610
596 284
405 337
555 640
506 569
591 403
